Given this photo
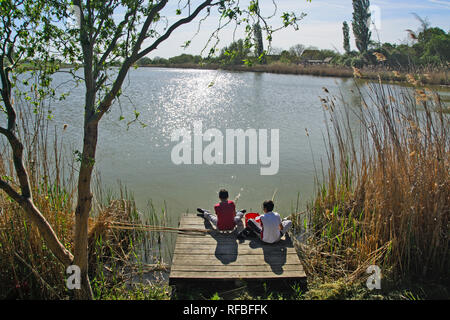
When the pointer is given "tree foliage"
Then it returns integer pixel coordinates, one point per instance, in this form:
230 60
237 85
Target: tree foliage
297 50
346 33
259 44
433 46
361 24
144 61
236 52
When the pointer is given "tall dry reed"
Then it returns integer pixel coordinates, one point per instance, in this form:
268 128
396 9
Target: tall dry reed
386 196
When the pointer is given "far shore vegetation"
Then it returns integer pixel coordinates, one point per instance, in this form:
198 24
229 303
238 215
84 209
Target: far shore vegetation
425 56
427 77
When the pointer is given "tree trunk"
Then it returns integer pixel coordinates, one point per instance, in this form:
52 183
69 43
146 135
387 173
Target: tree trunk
259 43
47 232
84 205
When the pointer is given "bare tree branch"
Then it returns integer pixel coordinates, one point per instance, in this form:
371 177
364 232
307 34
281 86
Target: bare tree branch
113 42
10 191
147 23
172 28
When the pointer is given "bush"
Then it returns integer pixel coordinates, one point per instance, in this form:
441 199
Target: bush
357 62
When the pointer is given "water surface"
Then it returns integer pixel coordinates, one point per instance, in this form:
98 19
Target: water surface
139 153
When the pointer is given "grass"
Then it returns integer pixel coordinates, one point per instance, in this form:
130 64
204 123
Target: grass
29 269
139 291
320 289
242 290
116 260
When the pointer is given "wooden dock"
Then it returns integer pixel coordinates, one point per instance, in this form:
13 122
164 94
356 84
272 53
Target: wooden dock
219 256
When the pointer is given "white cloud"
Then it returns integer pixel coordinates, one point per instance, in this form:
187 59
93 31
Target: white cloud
441 2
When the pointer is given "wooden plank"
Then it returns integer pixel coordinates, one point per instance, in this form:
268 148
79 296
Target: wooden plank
237 275
220 254
241 260
193 223
199 246
211 242
208 241
192 218
233 257
207 238
234 268
231 249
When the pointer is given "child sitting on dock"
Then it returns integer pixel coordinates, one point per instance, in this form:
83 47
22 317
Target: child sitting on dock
271 228
226 217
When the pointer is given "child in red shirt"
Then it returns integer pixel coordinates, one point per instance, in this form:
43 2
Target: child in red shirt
226 217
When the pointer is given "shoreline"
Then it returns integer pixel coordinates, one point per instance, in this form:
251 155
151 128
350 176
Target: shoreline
435 79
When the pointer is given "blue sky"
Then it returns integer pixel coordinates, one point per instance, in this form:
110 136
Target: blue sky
322 27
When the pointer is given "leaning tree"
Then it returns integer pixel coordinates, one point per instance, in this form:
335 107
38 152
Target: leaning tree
26 30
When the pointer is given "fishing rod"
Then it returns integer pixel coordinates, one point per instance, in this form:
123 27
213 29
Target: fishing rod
142 227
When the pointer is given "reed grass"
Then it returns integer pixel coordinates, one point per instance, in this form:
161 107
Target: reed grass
385 197
116 257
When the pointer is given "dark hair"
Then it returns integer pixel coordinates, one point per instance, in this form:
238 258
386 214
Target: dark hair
223 194
268 205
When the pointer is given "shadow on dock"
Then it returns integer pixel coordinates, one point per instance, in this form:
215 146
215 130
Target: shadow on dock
230 247
274 254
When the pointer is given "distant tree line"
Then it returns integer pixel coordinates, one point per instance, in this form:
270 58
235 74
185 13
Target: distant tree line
430 47
238 53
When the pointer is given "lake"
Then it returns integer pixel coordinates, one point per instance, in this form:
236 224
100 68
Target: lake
139 153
